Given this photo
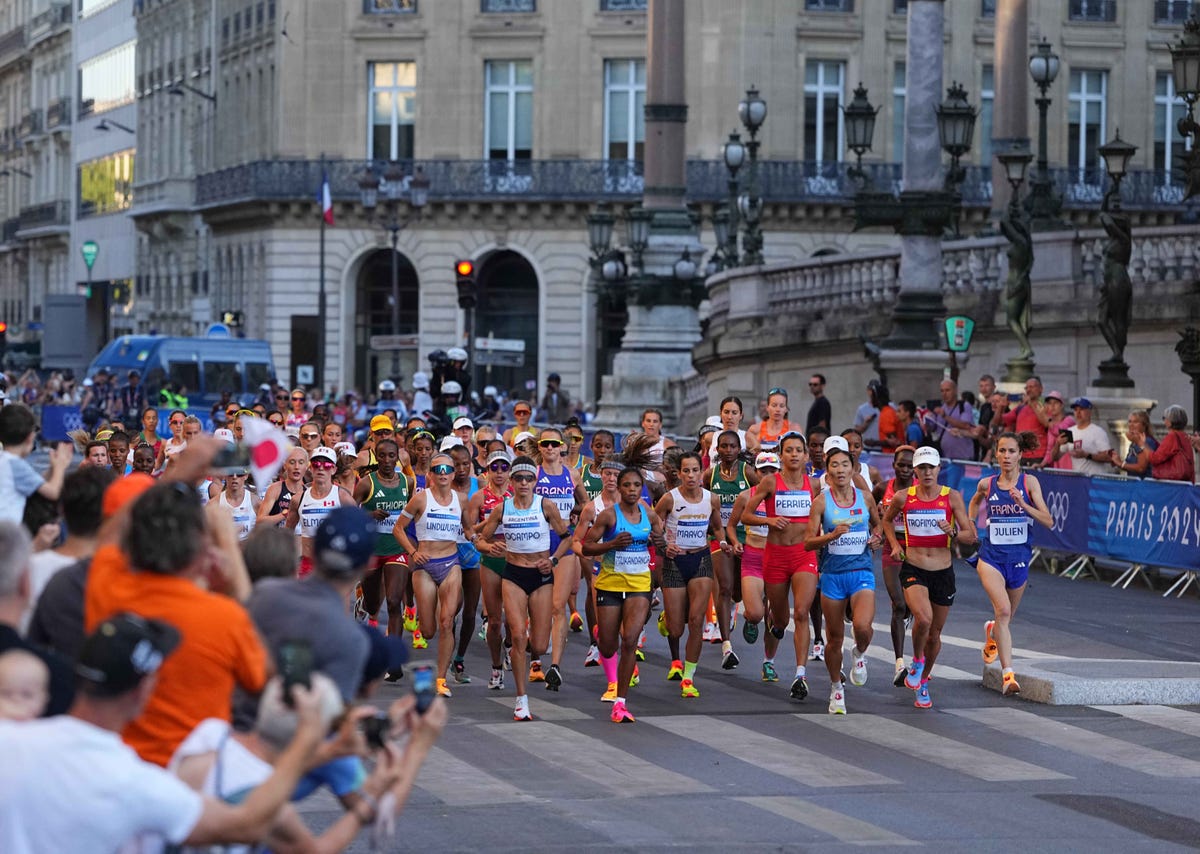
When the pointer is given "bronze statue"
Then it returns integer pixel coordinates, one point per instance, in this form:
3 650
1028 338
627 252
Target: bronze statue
1018 292
1116 291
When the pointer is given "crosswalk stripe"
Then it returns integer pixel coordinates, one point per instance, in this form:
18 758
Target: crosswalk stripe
1074 739
941 671
1167 717
957 756
461 784
768 753
967 643
623 774
846 829
543 711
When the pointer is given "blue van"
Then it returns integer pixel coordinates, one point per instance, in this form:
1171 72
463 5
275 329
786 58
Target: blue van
202 368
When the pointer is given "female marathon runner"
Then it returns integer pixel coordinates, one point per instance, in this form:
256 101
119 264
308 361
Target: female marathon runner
693 518
728 479
731 421
273 509
240 503
466 485
306 513
383 493
527 520
149 432
437 580
607 497
765 435
749 541
884 493
176 443
420 451
933 517
844 526
787 566
573 434
1013 498
602 447
479 509
522 412
622 535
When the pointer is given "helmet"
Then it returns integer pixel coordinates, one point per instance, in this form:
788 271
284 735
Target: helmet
451 387
456 354
387 385
489 391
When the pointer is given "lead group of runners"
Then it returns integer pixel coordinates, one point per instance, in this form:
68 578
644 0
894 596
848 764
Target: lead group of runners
783 523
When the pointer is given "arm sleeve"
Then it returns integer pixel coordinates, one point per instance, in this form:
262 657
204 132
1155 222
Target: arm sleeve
162 803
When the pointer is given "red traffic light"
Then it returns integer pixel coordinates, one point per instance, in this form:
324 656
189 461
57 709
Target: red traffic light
3 327
465 268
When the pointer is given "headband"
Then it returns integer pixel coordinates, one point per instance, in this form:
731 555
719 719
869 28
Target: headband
523 467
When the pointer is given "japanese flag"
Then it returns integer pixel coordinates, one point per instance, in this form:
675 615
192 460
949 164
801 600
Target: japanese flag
269 447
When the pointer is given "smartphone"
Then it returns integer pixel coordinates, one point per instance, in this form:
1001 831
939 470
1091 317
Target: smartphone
375 728
235 460
423 687
295 666
1070 436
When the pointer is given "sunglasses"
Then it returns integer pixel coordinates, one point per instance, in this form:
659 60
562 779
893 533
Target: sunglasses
777 390
298 398
230 413
521 411
323 464
442 468
550 443
523 478
499 467
310 435
278 422
281 397
575 440
175 421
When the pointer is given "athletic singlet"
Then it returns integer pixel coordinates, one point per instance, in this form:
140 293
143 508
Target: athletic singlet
712 451
440 522
463 539
559 488
889 492
313 510
243 515
849 551
411 527
1008 526
770 441
202 489
727 491
283 502
627 570
525 531
389 498
687 523
593 484
792 504
864 471
756 535
921 519
490 502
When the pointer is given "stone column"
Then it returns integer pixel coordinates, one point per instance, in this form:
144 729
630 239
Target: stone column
666 106
1010 115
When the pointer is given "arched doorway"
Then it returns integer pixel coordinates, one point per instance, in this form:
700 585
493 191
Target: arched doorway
373 320
507 309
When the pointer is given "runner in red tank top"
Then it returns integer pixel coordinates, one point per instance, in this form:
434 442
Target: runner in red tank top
884 493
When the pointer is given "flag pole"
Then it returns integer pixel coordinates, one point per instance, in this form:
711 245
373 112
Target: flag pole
320 372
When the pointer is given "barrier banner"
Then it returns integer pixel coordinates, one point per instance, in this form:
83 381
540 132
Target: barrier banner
1068 498
1145 521
57 420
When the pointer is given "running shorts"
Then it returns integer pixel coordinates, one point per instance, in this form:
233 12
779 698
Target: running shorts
939 582
837 586
780 563
681 569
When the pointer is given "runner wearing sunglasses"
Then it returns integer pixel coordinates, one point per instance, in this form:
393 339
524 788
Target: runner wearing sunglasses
479 509
298 414
316 502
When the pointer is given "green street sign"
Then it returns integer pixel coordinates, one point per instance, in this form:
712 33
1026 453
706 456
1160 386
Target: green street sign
959 329
90 250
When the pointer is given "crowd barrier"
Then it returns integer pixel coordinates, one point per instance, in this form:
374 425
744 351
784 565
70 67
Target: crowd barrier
1146 523
57 420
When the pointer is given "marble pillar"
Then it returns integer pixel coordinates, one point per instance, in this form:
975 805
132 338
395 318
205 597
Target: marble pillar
1010 116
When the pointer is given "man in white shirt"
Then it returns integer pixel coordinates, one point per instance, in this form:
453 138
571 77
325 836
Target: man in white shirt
18 480
1089 445
71 784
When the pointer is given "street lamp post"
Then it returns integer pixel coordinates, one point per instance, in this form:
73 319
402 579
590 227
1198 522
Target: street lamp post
392 184
1116 290
860 128
1042 204
1018 290
734 155
752 110
1185 74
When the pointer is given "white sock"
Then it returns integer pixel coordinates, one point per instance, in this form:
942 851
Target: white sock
726 647
801 671
621 700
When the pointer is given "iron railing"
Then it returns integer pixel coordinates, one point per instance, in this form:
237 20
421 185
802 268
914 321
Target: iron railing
58 113
31 123
782 181
1100 11
506 6
45 214
389 7
13 40
623 5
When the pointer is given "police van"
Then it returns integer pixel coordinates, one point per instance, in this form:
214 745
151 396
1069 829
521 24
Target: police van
199 369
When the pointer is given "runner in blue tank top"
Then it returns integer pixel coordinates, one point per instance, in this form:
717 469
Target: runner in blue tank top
1013 498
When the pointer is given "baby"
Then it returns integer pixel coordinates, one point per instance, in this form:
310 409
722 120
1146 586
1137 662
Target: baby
24 685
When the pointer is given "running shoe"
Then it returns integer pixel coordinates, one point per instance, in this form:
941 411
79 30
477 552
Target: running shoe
508 658
750 632
655 602
483 630
394 675
521 711
711 633
907 619
496 683
662 624
858 672
777 632
620 714
553 678
990 648
610 695
901 672
360 613
837 701
1010 685
410 620
576 622
799 688
688 689
593 657
419 642
730 660
818 651
923 700
442 689
768 672
535 672
459 671
635 678
675 671
373 622
913 678
733 620
639 655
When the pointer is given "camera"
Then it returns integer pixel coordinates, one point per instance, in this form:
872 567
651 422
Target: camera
375 729
295 666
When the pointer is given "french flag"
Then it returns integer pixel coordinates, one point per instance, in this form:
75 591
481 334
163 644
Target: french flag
325 199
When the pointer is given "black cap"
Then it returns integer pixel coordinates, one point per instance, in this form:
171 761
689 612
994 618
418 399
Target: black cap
345 540
555 377
123 650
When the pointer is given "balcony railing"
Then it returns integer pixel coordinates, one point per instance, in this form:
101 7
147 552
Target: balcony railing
58 113
13 40
506 6
44 215
829 5
623 5
49 21
389 7
31 123
1173 12
1101 11
783 182
8 231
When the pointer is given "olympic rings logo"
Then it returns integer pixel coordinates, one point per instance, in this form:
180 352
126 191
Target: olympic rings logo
1059 505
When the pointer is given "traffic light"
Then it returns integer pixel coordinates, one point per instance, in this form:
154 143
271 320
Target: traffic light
233 319
465 272
3 337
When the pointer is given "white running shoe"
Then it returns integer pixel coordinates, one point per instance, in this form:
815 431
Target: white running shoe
837 701
711 632
858 673
521 710
496 683
818 652
593 657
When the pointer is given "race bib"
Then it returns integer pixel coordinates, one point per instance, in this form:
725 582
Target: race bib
795 505
726 514
385 526
924 523
631 563
691 533
1011 532
849 543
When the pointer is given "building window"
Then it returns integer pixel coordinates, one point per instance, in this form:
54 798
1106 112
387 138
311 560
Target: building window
822 116
1086 117
107 80
91 7
508 110
1169 146
624 108
1103 11
507 6
623 5
987 103
391 110
987 8
389 7
106 184
1173 11
829 5
899 7
898 95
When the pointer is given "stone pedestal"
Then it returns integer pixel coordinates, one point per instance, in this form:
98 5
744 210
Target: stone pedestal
914 374
1114 374
1017 370
1111 407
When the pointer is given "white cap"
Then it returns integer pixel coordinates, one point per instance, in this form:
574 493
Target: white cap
451 387
420 380
714 421
463 421
225 435
521 437
323 453
927 456
838 442
346 448
265 387
87 381
489 390
456 354
387 385
449 442
766 459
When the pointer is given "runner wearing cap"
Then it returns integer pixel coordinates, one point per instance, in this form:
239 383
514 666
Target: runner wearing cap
306 515
750 550
464 428
522 412
902 463
729 478
706 439
381 428
383 494
934 516
436 512
239 503
479 509
573 435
